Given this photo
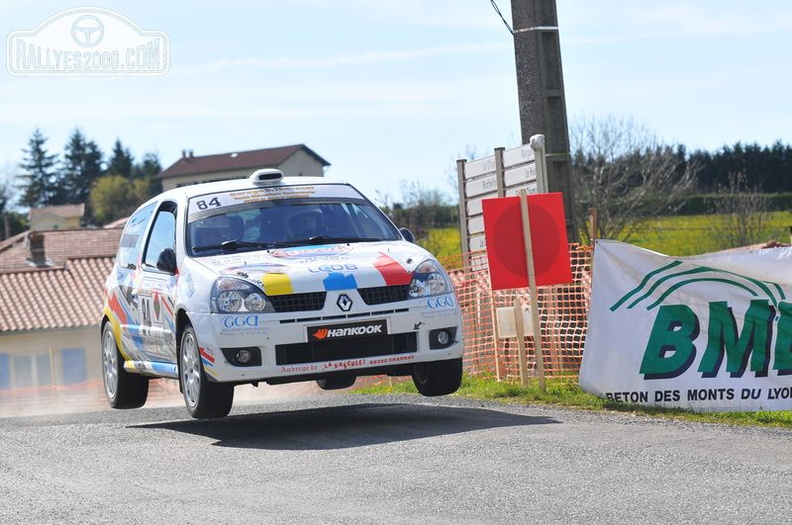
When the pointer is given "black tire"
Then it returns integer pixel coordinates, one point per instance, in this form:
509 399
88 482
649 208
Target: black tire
123 389
438 378
336 382
204 399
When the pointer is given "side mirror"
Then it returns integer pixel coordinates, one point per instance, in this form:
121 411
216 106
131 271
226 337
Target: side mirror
408 235
166 262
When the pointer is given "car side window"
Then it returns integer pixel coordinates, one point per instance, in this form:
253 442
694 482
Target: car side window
163 234
132 239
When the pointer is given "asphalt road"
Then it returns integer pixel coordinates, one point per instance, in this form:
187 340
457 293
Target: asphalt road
389 459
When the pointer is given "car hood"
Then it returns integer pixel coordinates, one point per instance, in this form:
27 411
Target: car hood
305 269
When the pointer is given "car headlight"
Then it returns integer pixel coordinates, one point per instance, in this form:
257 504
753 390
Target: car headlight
231 295
429 279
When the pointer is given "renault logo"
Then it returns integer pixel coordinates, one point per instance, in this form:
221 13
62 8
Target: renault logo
344 302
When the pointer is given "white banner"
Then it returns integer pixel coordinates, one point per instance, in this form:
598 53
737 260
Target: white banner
706 333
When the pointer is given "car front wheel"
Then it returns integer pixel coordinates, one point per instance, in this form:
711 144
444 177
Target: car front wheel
438 378
204 399
124 390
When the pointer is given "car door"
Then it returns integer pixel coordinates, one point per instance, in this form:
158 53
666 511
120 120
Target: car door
155 293
125 281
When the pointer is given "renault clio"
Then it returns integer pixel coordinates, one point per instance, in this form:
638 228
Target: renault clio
272 279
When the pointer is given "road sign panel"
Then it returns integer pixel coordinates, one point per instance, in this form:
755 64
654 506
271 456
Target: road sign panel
474 206
519 175
481 186
479 167
517 156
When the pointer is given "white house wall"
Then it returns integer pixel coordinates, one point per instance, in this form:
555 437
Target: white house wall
174 182
62 348
301 164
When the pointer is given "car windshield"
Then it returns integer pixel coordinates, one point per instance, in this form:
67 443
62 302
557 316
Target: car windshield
218 224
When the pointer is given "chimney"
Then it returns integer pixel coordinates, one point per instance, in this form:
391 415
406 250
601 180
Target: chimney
35 243
191 153
184 153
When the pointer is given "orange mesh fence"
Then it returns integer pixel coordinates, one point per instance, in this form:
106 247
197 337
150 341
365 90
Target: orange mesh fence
563 312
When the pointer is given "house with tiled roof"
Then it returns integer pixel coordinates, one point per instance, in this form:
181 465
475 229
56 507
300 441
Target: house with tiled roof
297 160
51 295
52 248
63 217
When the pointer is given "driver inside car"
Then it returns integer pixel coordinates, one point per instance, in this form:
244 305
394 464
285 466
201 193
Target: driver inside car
212 231
306 224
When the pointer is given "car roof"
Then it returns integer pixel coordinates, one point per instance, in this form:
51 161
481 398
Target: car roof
205 188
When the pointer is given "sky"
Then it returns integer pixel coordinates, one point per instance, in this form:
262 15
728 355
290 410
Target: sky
392 92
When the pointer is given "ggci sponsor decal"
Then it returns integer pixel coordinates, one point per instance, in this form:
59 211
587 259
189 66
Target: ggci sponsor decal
346 331
241 321
444 301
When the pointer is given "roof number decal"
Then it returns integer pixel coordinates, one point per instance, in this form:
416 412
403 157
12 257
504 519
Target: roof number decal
269 193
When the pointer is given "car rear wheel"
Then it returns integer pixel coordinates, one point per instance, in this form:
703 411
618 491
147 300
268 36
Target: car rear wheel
438 378
336 383
124 390
204 399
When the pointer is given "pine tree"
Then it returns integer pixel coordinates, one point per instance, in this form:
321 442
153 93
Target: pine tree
38 180
121 161
149 167
82 167
147 170
6 194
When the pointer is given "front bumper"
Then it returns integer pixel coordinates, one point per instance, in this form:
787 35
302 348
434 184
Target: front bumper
364 339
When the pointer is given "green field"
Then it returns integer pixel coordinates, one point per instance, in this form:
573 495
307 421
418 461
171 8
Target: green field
673 235
697 234
442 242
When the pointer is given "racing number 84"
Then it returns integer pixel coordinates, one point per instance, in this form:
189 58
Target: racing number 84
202 205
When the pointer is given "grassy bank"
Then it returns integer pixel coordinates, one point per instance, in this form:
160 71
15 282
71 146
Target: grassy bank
673 235
695 234
567 393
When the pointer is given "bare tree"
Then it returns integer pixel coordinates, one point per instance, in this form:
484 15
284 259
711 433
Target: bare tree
621 170
420 209
452 179
739 213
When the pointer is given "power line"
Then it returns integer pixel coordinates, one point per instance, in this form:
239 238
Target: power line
497 10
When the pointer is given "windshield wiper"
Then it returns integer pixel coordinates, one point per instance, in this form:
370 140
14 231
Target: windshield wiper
326 239
234 244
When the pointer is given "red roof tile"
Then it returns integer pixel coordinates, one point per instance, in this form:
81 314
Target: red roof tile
59 245
259 158
67 297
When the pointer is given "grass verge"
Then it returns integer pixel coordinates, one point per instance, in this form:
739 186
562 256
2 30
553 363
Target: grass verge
567 393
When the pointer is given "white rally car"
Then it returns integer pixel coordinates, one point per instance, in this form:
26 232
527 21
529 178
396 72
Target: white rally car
277 280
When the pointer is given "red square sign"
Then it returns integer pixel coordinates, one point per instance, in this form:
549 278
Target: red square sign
506 244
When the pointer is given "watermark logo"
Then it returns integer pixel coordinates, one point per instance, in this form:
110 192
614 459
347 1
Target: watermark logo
87 41
88 30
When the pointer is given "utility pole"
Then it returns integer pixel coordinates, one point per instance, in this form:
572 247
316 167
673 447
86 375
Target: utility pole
540 90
